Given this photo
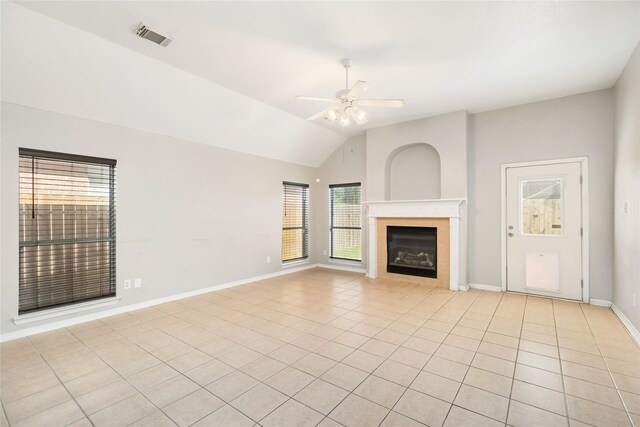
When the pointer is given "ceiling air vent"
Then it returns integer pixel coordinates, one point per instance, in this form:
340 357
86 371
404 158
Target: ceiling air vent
147 33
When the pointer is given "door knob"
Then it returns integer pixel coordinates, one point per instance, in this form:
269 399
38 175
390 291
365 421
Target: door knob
510 234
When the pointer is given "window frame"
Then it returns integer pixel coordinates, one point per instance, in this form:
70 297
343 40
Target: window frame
331 221
23 243
305 222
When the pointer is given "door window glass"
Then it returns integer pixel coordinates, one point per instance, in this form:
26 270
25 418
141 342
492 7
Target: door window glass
541 207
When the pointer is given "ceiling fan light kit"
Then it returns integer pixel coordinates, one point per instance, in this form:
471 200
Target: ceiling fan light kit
348 100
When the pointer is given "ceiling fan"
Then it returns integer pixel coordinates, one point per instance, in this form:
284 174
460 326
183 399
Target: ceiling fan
348 102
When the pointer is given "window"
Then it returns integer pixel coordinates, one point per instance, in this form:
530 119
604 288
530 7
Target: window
346 221
67 229
295 221
541 207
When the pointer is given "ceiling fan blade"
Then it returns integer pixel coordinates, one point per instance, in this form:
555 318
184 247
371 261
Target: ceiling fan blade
320 114
358 89
391 103
315 98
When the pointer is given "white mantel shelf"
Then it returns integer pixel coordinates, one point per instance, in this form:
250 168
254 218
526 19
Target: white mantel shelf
437 208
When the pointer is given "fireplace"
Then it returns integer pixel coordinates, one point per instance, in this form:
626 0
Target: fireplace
412 251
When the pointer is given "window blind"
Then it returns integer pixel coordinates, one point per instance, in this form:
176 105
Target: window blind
67 229
295 221
346 221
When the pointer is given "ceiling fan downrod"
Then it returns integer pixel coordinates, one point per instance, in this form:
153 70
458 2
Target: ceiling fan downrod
346 62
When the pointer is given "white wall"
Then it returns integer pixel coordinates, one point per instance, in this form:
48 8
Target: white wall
189 215
347 164
413 174
626 237
580 125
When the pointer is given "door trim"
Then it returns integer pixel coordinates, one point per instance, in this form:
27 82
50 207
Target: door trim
584 170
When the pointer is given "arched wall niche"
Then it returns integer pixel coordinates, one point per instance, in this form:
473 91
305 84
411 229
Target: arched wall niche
412 172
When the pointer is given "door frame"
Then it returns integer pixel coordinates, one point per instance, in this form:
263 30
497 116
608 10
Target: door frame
584 170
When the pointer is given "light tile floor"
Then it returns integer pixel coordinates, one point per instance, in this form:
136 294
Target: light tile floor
330 348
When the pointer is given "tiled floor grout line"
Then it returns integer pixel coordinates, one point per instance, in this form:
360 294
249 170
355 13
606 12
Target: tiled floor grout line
474 353
319 377
66 389
199 386
291 365
624 404
369 374
123 378
261 314
239 369
312 352
162 362
515 366
564 391
434 352
430 356
4 413
262 355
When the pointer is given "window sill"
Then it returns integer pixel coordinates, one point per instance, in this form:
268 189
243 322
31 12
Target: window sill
291 264
64 311
345 262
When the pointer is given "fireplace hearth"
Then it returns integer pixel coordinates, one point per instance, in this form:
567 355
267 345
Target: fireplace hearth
412 251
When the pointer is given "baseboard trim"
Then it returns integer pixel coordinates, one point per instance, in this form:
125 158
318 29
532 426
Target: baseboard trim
343 268
145 304
633 331
600 302
483 287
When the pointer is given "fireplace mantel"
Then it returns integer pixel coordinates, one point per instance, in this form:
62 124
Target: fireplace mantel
438 208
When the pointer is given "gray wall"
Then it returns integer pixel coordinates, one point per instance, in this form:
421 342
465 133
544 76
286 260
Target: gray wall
580 125
446 133
414 174
192 216
626 238
189 216
347 164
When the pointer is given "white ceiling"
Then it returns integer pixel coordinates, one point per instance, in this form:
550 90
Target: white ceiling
438 56
52 66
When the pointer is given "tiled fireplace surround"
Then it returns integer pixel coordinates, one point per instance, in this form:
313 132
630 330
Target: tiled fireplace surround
448 135
446 215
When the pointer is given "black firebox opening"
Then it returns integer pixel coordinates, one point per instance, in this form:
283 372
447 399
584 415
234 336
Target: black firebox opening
412 251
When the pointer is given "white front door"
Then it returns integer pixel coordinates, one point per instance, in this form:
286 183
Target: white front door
544 230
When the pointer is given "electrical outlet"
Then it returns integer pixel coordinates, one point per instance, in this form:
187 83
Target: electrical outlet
127 284
268 259
324 252
137 283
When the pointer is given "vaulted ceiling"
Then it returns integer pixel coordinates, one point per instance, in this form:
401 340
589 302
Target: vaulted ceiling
438 56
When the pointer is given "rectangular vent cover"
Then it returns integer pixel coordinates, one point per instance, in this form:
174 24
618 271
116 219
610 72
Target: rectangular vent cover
147 33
